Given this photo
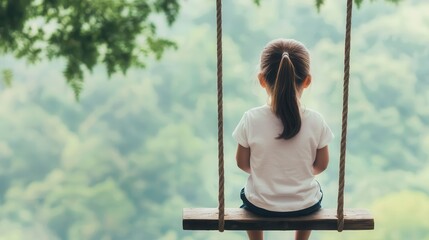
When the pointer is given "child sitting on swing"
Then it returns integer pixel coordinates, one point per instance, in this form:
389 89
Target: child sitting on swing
282 145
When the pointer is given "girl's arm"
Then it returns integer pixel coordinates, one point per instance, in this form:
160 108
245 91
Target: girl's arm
322 160
243 158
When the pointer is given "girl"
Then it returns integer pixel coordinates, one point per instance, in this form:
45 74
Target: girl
282 145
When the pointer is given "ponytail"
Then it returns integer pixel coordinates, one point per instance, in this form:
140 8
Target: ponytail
284 99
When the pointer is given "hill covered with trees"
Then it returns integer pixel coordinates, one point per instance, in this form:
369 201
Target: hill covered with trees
125 160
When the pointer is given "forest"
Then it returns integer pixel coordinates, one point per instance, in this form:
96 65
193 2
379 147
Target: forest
136 148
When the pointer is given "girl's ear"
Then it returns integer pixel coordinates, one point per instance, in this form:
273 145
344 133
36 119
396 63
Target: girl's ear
307 81
261 79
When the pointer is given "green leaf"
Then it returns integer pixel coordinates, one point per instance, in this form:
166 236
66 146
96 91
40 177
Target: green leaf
158 46
319 3
7 77
77 86
358 3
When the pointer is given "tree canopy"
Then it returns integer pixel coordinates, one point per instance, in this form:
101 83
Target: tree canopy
118 34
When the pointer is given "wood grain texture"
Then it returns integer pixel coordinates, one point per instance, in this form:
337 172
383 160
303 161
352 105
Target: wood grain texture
240 219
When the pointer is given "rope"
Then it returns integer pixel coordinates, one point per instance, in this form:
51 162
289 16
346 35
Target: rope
340 206
221 196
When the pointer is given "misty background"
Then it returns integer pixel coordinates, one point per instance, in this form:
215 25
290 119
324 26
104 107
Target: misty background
123 161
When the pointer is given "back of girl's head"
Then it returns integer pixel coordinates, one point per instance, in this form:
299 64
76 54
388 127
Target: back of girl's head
285 64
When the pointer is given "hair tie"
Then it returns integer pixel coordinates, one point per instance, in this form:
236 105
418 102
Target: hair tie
285 54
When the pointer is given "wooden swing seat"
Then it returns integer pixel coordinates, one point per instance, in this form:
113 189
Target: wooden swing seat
240 219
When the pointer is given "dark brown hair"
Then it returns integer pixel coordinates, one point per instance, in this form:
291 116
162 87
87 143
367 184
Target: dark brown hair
285 63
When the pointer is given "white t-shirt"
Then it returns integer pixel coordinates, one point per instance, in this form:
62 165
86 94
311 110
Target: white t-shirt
281 177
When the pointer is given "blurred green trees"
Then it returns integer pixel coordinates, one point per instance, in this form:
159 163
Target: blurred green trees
118 34
125 160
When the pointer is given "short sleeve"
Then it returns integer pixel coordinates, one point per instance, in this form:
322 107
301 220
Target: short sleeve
240 132
326 135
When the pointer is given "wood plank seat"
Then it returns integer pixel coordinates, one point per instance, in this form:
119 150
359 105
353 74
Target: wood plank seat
240 219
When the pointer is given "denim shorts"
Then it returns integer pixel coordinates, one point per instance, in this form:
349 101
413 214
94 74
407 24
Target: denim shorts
266 213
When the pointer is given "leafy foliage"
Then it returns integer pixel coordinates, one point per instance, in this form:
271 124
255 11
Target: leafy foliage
118 34
7 76
319 3
358 3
